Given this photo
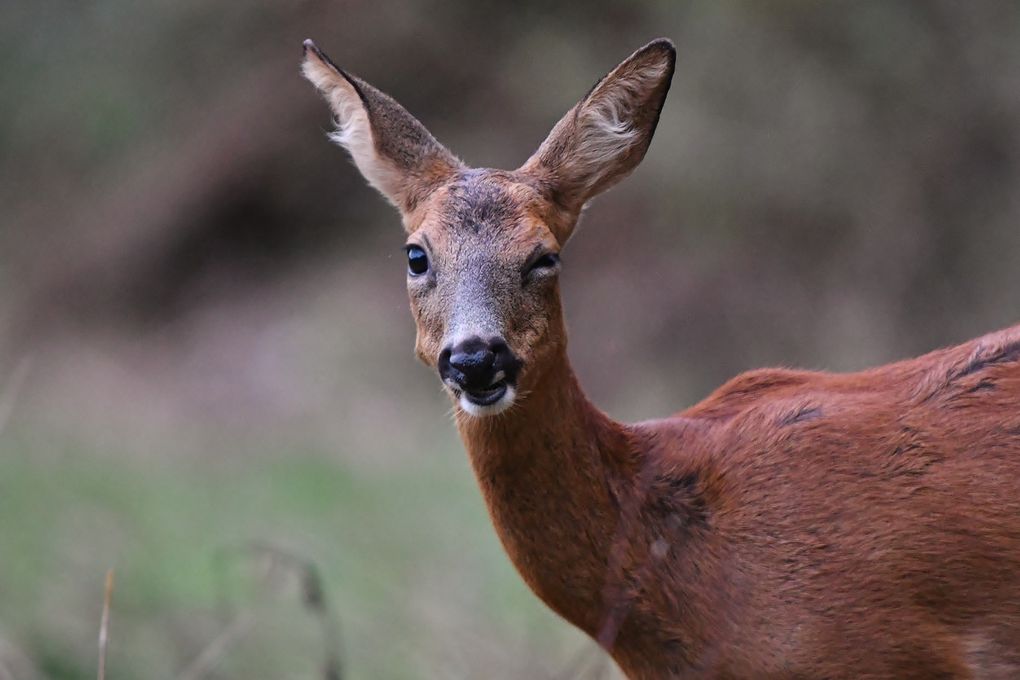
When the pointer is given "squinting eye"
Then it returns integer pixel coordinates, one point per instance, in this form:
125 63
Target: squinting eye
548 261
417 261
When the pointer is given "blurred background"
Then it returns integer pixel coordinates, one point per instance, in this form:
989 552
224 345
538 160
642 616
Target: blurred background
206 369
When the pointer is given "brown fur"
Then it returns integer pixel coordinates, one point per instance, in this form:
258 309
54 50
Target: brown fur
793 525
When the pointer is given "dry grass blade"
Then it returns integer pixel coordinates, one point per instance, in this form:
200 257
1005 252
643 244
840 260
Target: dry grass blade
313 598
104 624
280 569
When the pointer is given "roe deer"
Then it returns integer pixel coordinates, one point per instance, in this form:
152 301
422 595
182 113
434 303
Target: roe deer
793 525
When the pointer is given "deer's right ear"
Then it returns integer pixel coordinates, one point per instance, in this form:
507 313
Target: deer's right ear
394 152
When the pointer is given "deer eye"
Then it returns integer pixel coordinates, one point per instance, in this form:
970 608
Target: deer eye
544 264
417 261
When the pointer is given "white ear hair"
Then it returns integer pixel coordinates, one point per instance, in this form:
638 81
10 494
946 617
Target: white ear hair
606 121
607 133
354 129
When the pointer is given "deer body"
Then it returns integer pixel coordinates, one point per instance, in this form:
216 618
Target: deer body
792 525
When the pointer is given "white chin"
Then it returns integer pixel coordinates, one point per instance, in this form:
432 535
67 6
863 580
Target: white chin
480 411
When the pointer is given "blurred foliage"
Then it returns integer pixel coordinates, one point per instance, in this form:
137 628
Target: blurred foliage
207 306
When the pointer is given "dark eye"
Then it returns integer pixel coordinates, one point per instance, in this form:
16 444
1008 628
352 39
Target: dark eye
417 261
546 263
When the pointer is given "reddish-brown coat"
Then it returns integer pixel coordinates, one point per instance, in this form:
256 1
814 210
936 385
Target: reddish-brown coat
792 525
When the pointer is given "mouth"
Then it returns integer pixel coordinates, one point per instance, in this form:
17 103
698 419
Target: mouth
488 396
494 399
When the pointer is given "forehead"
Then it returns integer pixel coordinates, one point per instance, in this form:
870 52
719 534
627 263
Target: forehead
486 207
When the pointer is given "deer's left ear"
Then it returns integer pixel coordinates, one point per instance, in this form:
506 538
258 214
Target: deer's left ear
607 133
394 152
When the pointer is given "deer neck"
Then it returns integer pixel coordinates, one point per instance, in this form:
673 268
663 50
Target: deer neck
553 470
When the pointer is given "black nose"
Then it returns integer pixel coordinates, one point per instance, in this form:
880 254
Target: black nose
475 365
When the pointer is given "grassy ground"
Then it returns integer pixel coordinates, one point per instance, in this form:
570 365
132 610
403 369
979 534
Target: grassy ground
410 567
303 424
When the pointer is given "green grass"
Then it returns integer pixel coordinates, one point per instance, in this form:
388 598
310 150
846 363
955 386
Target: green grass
410 565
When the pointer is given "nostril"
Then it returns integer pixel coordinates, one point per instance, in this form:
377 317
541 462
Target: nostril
505 360
445 366
499 348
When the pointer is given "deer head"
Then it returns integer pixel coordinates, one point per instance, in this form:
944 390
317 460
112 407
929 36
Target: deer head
483 245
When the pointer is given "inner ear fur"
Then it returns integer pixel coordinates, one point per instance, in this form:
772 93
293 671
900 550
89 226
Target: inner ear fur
391 148
606 134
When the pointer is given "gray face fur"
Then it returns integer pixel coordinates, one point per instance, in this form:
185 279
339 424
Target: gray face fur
489 298
492 275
